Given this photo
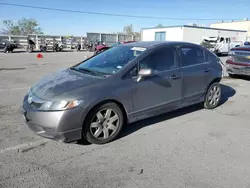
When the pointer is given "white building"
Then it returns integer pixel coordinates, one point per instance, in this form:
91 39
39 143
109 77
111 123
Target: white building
187 33
239 25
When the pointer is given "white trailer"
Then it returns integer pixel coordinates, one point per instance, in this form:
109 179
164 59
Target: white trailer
187 33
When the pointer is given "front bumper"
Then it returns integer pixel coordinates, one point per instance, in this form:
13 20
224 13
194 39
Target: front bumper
238 68
63 126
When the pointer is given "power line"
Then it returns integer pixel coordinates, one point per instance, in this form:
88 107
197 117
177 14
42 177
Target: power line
109 14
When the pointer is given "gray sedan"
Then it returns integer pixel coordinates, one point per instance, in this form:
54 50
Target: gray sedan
97 97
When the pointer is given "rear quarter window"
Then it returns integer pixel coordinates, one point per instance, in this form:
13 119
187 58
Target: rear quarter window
210 57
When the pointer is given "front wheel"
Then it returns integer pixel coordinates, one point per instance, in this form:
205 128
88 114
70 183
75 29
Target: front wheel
213 96
103 124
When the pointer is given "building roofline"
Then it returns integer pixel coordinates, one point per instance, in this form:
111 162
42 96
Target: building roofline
198 27
230 21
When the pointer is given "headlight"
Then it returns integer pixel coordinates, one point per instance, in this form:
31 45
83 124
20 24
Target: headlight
60 105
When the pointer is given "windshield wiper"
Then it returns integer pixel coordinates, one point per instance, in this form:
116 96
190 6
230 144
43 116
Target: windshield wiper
87 71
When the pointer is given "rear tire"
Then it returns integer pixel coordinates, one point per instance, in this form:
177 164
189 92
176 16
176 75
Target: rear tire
213 96
232 75
103 124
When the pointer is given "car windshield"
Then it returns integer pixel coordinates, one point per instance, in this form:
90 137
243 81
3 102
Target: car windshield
111 61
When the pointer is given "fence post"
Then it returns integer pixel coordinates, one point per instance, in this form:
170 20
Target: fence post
9 38
132 37
100 37
36 42
117 37
81 43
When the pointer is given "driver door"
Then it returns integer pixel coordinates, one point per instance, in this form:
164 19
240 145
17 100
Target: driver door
161 91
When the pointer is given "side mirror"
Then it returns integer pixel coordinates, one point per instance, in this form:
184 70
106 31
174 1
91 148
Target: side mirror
144 73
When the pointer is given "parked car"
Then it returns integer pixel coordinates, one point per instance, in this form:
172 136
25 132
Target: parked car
102 47
238 62
97 97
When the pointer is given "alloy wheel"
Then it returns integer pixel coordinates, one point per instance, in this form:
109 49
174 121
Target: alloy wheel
104 124
214 95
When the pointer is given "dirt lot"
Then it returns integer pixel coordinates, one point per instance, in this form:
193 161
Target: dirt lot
192 147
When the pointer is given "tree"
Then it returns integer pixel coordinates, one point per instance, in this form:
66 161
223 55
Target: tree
128 30
159 25
22 27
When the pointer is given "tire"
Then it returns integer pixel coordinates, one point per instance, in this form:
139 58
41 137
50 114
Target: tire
232 75
213 96
5 50
92 124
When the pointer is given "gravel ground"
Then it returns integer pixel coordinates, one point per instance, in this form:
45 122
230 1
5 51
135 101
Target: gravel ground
192 147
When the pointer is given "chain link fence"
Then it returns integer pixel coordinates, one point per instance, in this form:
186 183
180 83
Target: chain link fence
110 39
68 41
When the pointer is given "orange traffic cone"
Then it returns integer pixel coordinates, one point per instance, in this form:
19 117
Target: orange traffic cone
39 56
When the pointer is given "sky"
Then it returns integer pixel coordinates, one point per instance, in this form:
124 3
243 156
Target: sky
66 23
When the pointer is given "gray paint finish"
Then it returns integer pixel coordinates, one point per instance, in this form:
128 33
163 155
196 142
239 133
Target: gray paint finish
157 94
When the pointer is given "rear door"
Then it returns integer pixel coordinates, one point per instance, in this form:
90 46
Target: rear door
195 71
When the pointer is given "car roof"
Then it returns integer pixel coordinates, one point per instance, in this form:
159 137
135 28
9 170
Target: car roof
247 48
153 44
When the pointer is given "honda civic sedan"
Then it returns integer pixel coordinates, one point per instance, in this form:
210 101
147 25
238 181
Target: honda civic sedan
96 98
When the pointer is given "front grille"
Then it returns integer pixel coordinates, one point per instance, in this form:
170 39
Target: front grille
242 57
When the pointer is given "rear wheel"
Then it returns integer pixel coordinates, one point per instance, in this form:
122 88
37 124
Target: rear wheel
213 96
232 75
103 124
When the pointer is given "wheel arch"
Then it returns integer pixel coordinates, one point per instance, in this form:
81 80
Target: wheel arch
125 114
218 79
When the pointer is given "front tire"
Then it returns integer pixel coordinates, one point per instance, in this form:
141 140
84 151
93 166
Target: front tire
103 124
213 96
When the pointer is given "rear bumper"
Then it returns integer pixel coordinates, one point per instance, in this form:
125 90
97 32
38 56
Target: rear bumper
238 68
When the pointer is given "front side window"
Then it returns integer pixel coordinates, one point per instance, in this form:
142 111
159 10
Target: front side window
192 56
160 60
111 61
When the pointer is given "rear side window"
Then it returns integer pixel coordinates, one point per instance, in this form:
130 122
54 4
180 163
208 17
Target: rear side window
210 57
192 56
160 60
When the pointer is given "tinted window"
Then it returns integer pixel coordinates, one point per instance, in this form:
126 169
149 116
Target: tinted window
192 56
160 60
210 57
213 58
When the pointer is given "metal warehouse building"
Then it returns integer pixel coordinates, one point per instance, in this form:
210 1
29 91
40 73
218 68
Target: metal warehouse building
187 33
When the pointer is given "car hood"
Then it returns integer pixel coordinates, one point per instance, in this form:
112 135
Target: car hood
61 82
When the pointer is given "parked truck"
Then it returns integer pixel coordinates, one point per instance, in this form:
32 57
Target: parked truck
222 44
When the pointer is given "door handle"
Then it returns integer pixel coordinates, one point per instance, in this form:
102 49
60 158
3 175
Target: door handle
174 77
206 70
